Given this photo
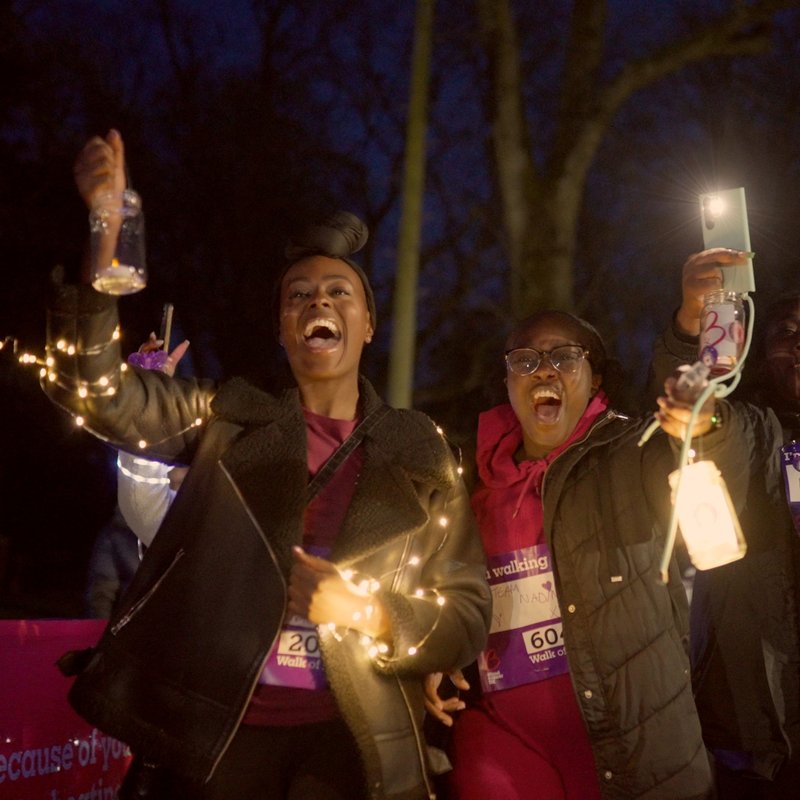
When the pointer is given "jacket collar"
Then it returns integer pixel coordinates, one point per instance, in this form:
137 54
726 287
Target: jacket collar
268 463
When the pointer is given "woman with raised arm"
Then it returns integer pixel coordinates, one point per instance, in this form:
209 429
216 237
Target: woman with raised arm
585 679
745 616
318 560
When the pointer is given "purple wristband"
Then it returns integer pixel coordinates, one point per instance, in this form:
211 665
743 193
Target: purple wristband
155 359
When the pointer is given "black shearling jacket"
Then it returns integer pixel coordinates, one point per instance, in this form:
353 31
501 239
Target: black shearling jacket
175 669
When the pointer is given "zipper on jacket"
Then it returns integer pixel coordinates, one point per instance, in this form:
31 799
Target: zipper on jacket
600 423
417 736
271 552
139 604
403 561
419 740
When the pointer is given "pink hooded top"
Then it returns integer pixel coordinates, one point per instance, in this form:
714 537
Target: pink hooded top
508 505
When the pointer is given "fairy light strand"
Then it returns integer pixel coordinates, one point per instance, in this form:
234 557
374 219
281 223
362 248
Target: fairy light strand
376 649
366 586
101 387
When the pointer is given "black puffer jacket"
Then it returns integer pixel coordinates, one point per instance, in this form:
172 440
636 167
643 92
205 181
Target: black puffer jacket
175 670
606 505
744 619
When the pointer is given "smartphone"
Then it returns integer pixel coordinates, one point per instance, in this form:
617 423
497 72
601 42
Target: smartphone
166 326
724 218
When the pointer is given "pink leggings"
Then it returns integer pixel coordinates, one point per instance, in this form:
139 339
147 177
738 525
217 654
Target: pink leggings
490 760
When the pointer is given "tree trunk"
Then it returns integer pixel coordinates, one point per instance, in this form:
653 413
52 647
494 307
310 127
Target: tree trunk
541 208
404 330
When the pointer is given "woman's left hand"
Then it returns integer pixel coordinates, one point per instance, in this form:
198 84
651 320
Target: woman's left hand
675 408
318 592
440 708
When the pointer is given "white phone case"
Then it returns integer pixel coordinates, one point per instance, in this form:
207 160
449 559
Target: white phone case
724 219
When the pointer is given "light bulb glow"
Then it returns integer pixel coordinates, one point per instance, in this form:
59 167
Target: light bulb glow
706 515
716 206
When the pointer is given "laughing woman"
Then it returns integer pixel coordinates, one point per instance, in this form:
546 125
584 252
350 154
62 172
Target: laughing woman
585 679
319 558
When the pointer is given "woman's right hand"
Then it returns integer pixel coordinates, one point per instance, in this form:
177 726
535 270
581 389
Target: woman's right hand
702 273
100 167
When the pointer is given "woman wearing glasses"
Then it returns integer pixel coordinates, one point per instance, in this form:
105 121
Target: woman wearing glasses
585 678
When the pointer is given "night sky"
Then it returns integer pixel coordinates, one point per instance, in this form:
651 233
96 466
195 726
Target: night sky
239 116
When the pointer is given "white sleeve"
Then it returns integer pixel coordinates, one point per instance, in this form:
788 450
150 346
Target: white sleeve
143 493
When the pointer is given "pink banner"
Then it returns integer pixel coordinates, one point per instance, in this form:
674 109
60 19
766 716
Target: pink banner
47 752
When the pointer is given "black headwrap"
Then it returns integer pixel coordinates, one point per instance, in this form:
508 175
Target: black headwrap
339 235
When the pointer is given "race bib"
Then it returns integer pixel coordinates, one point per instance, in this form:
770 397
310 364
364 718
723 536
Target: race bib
790 462
295 659
525 640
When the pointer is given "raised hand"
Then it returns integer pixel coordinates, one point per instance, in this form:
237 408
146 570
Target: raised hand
100 167
702 273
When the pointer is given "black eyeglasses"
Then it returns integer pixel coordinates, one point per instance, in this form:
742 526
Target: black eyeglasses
526 360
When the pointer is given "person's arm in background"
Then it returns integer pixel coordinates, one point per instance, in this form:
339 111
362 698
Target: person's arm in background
145 488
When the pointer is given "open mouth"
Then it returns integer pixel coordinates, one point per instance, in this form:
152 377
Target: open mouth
321 334
546 403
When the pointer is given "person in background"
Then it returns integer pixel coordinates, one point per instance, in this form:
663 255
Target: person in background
319 559
745 629
145 488
112 564
585 689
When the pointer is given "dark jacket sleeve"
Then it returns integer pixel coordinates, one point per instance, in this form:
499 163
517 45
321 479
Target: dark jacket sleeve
445 629
671 349
137 410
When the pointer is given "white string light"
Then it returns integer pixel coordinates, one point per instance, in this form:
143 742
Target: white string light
104 387
100 387
376 648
